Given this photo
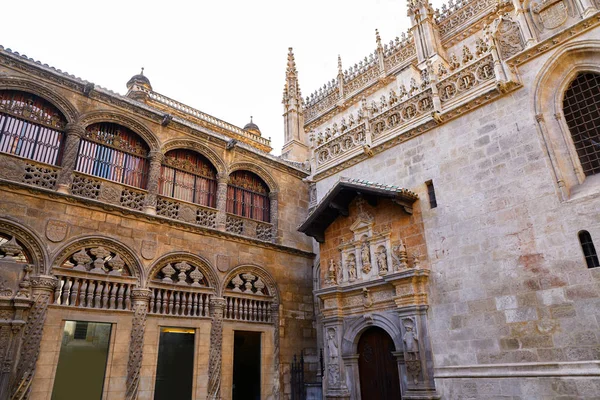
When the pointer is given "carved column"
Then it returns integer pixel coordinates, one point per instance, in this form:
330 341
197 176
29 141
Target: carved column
156 158
274 207
276 375
42 288
560 182
140 299
217 305
223 180
73 134
335 377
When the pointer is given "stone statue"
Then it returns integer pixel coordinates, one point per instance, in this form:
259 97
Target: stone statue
411 341
351 269
382 261
332 346
332 273
365 257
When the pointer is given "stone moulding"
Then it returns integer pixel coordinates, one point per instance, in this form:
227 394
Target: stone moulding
521 370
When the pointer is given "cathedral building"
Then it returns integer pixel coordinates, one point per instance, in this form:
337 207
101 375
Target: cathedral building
428 232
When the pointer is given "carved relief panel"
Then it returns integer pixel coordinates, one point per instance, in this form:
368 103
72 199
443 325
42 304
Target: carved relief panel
549 15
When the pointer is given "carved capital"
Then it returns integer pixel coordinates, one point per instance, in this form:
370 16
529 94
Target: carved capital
223 178
156 157
75 129
44 283
141 295
273 196
539 117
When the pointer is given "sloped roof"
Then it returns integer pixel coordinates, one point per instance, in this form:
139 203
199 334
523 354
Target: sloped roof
339 197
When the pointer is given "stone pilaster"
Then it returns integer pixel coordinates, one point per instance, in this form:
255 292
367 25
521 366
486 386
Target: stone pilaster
335 377
274 210
42 288
217 305
222 181
276 374
525 24
140 300
73 134
425 32
587 7
156 158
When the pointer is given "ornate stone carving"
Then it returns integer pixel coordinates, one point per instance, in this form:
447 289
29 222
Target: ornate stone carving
365 257
333 368
367 299
32 336
216 344
11 250
74 132
351 267
42 176
251 284
97 260
411 349
56 231
132 199
110 193
382 263
332 273
187 214
223 262
508 35
141 298
148 250
551 14
234 225
85 186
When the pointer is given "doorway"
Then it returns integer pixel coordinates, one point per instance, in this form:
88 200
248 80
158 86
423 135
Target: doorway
246 365
175 369
377 366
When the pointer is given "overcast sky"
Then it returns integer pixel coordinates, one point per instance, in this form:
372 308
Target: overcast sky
225 58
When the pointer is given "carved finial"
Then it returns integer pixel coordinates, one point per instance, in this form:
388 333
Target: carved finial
291 67
378 38
142 73
340 70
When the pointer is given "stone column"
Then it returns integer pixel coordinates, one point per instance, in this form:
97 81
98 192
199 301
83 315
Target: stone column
274 209
560 182
275 393
73 134
335 381
156 158
140 300
223 180
217 305
42 288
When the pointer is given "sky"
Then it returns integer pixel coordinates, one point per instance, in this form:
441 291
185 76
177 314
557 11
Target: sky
225 58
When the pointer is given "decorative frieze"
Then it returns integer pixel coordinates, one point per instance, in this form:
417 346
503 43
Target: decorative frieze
193 214
40 175
86 186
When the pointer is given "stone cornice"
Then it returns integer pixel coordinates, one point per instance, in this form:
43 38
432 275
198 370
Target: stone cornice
101 206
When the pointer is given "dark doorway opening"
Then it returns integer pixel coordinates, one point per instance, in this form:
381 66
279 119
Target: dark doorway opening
246 365
175 369
377 366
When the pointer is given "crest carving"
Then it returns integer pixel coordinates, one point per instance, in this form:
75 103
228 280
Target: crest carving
56 231
551 14
148 249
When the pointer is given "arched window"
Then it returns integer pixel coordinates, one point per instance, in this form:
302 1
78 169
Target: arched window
188 176
113 152
30 127
248 196
589 251
581 107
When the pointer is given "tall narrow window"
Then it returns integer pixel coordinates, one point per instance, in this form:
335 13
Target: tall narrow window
581 107
30 127
113 152
248 196
82 361
188 176
431 193
589 251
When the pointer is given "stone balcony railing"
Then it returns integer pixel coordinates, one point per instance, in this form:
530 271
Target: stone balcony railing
89 290
128 198
182 302
248 307
232 130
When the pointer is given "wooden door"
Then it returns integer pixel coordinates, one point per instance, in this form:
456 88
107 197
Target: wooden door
377 366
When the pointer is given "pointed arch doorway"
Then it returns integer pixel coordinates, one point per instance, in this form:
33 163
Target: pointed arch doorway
377 366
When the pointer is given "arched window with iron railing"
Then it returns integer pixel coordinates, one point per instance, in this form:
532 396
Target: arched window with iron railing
581 106
189 176
248 196
30 127
113 152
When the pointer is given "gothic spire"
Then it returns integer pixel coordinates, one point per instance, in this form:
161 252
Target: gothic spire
292 87
340 70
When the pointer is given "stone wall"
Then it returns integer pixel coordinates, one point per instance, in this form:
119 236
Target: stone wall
509 283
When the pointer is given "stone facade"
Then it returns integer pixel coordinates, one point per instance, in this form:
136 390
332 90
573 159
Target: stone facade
470 104
78 246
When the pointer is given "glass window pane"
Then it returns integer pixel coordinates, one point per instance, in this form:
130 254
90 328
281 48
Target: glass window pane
82 361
